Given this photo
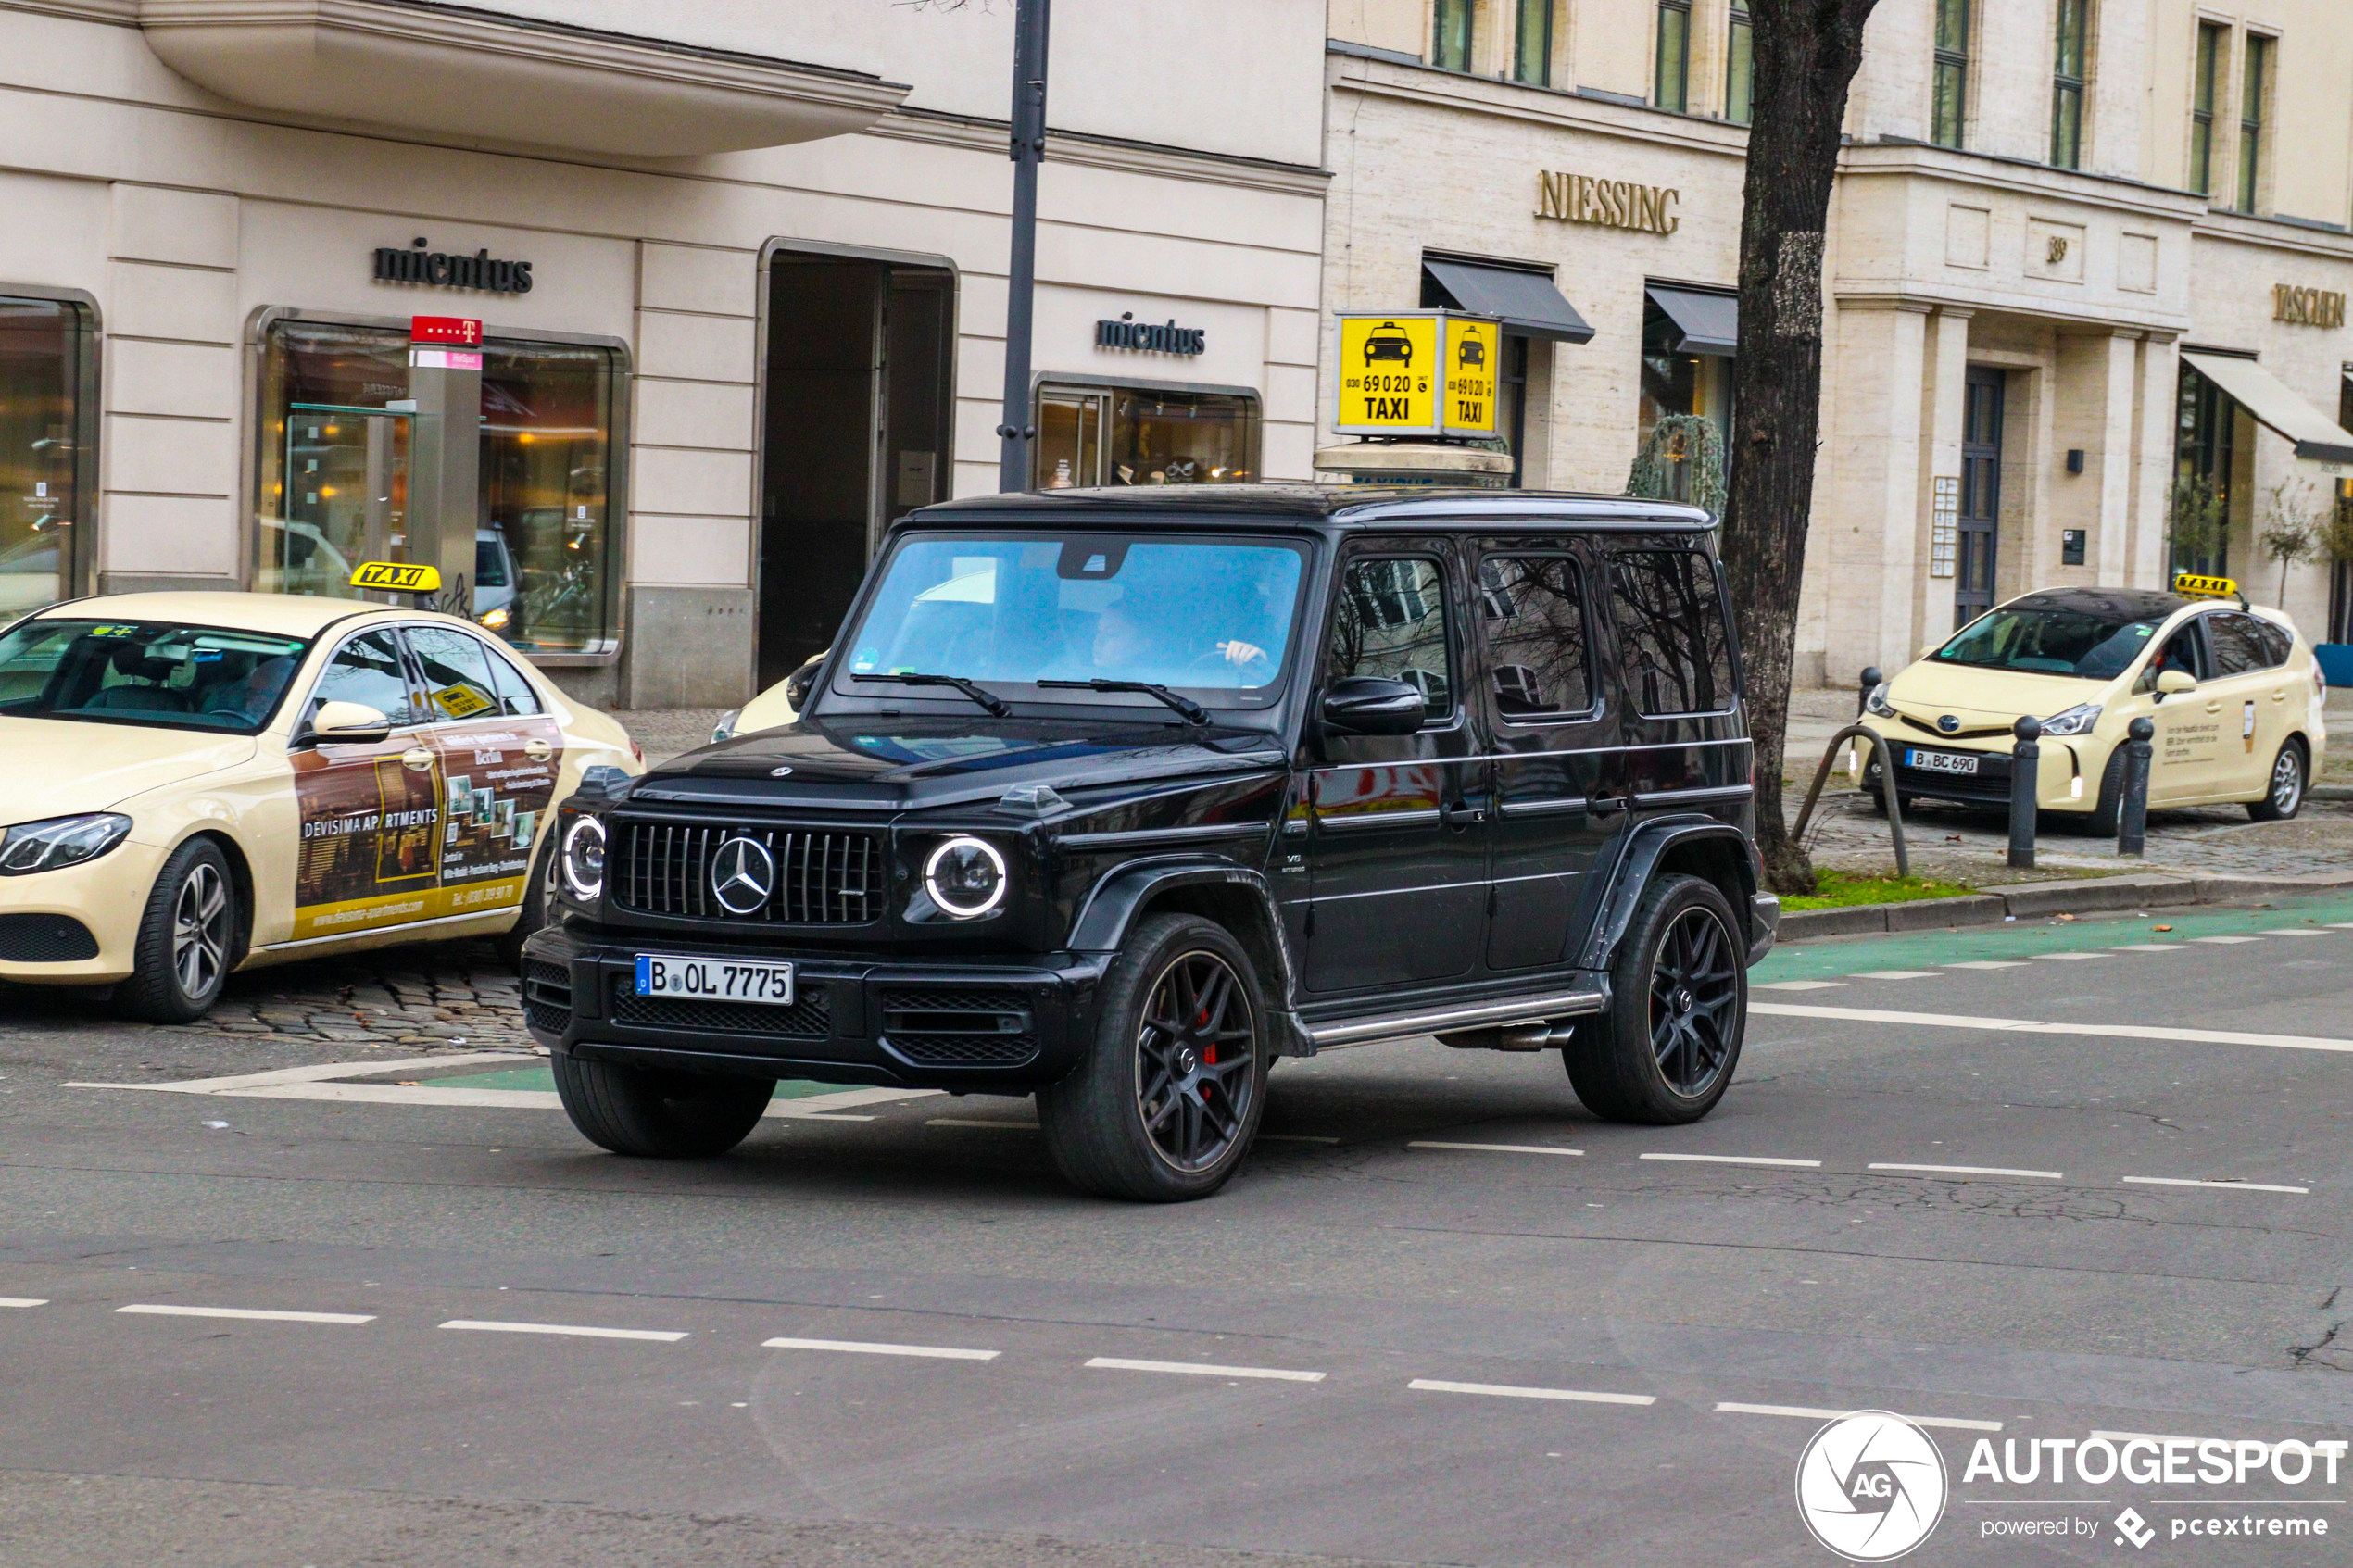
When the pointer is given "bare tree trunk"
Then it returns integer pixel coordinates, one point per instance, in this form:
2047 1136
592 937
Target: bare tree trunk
1806 52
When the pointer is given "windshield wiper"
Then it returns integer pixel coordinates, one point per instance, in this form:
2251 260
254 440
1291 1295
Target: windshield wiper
1193 711
998 707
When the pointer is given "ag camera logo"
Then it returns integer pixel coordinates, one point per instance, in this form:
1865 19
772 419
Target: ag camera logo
1871 1485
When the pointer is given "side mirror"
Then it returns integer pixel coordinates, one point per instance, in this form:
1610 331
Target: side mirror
1372 705
347 723
798 685
2172 683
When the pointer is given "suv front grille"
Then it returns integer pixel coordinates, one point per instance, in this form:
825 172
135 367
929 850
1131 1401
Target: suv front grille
809 1017
820 876
959 1028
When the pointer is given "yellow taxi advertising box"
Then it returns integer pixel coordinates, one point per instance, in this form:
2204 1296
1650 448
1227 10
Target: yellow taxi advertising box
397 577
1417 372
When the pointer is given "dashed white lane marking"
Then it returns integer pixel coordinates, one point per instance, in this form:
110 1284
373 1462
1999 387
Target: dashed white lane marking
1807 1413
2224 1187
575 1331
2341 925
1967 1171
1735 1160
1284 1374
1505 1391
2293 930
2032 1026
1895 974
2067 958
259 1314
998 1124
23 1300
872 1347
2225 941
1800 986
1989 963
2148 948
1495 1147
315 1072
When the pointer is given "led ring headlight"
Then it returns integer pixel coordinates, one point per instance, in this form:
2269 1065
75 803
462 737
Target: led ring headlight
583 858
965 877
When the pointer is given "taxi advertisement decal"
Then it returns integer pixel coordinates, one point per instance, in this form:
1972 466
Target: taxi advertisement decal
497 793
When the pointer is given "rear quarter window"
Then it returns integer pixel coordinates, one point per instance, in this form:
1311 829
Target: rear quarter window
1676 647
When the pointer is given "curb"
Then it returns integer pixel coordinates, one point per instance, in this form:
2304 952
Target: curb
2097 895
2330 791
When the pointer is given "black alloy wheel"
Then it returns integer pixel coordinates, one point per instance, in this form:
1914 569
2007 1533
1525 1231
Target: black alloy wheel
2284 796
1164 1104
1197 1051
1665 1050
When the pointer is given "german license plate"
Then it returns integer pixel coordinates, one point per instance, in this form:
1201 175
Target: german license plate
723 979
1927 762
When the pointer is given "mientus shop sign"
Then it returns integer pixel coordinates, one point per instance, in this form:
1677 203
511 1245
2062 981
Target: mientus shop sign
419 264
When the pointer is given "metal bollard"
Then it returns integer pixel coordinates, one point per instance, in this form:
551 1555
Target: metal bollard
2026 770
1871 677
2132 813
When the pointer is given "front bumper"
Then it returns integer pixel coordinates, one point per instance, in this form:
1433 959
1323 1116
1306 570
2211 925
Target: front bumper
2068 772
991 1024
77 925
1763 925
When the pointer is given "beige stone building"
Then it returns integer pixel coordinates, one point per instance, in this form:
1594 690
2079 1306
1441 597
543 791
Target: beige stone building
740 271
2082 253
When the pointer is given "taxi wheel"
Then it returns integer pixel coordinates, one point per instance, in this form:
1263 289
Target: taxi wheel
2283 796
1167 1102
2106 815
538 904
1664 1052
656 1114
188 939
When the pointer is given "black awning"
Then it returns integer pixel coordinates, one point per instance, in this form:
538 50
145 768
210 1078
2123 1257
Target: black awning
1526 302
1709 324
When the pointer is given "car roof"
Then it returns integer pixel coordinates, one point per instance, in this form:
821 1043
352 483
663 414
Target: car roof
1349 506
289 615
2123 604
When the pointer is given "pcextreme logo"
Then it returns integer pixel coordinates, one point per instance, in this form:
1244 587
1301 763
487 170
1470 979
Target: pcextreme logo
1871 1485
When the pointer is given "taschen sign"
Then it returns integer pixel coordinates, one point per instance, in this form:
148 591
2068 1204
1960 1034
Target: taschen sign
435 268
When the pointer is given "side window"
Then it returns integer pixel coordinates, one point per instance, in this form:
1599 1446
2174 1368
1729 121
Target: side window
2185 650
2239 643
367 670
1532 610
1671 633
2277 643
457 679
1391 622
515 694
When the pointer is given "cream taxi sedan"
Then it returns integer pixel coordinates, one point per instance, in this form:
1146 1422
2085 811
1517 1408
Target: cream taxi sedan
2233 692
193 784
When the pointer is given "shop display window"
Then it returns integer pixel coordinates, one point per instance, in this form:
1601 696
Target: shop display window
1677 382
42 346
1144 435
334 476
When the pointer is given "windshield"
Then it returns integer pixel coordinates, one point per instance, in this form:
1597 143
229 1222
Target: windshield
145 672
1210 618
2085 644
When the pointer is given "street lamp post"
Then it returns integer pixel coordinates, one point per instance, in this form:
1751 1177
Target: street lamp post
1015 432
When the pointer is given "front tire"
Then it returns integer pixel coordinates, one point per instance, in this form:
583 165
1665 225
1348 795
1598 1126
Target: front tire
656 1114
2285 797
1165 1105
188 939
1665 1051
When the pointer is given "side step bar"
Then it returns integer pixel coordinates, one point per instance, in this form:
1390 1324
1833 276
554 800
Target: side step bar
1406 1026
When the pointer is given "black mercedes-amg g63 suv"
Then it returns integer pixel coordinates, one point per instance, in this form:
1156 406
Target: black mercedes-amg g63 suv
1114 796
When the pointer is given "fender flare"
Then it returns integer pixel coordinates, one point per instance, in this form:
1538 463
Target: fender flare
1648 845
1111 907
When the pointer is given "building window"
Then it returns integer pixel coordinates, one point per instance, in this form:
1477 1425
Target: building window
1674 76
1091 435
1451 50
1950 107
2210 54
2204 454
44 547
2067 84
1532 43
2254 86
1675 382
334 477
1740 70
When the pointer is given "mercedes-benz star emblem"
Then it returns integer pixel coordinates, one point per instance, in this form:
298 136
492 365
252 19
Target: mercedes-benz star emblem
742 876
1948 723
779 773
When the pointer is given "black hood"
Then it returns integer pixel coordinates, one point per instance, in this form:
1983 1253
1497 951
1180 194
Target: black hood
896 764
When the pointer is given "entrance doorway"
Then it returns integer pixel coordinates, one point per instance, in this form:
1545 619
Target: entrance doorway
857 425
1980 516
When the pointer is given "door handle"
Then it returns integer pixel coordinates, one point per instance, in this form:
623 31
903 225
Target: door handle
2214 708
1603 805
1456 814
537 750
417 760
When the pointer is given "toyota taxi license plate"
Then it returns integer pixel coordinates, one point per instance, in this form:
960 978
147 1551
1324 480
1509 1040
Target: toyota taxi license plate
714 979
1926 761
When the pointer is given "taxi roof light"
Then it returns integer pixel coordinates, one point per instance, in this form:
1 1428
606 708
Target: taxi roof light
397 577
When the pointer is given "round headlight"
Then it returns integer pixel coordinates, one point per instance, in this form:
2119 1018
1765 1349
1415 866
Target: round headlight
965 877
584 857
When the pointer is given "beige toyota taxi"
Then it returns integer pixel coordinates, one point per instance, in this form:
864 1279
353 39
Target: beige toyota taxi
192 783
2232 690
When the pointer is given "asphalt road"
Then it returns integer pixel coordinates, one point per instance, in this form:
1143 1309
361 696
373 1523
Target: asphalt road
2100 1184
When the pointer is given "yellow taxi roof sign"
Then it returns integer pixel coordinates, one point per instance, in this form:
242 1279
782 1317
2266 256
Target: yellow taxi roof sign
397 577
2192 585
